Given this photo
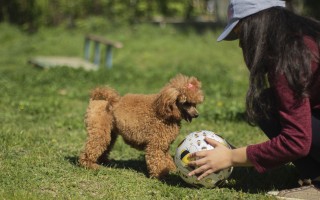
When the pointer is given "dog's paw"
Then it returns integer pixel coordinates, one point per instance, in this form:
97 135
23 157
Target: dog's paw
171 165
89 165
160 174
94 166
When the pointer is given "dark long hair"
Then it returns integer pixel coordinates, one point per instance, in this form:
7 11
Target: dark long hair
272 41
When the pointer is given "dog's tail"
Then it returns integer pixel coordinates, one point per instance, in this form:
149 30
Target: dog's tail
107 94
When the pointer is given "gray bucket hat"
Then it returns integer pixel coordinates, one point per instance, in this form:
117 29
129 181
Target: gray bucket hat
239 9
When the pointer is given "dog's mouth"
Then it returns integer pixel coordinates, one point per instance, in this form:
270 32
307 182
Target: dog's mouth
189 116
188 111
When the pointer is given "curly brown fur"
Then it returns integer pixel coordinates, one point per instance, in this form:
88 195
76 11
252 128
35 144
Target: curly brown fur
146 122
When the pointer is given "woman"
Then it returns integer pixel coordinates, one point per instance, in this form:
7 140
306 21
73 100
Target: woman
281 51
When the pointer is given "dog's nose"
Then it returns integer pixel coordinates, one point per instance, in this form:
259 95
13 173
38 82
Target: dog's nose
196 115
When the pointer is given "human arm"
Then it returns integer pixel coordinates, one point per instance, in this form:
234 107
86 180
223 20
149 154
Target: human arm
291 143
221 157
293 140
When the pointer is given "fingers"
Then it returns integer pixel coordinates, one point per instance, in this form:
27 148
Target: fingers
198 170
198 154
204 170
201 160
206 173
212 142
198 162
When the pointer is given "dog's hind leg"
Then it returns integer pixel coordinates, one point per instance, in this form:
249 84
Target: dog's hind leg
99 126
103 159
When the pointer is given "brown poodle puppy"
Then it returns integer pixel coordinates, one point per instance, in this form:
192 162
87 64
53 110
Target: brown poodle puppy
146 122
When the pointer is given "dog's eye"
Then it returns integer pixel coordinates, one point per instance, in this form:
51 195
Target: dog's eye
188 104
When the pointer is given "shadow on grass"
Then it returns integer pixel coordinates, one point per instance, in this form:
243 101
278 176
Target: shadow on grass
141 167
250 181
73 160
136 165
242 178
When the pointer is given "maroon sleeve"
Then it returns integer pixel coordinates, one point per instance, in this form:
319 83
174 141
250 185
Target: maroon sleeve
294 140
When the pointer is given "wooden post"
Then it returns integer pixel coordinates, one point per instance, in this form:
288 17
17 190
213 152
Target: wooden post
98 40
109 56
97 53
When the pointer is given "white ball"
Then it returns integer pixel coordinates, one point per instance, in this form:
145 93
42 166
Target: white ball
192 143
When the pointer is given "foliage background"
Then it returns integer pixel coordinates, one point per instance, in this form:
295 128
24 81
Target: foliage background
41 111
32 14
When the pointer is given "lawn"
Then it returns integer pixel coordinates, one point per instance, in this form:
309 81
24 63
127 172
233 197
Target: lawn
42 113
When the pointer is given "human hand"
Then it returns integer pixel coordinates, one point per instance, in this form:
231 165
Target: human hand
210 161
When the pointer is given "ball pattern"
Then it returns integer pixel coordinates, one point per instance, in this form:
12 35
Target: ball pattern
192 143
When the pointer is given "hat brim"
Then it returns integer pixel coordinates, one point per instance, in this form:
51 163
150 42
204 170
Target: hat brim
227 33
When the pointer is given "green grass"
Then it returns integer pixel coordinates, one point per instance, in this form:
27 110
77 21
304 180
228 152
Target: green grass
42 112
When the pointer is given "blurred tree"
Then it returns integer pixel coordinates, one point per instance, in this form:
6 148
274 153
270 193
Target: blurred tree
30 14
189 10
163 7
150 9
21 12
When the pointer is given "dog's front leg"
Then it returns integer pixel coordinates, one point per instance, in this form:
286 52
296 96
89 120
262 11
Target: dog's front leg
170 162
157 161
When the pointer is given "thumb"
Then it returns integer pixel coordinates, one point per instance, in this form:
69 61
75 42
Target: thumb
212 142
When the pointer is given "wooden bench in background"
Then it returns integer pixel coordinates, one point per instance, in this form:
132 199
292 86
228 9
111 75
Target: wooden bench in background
92 44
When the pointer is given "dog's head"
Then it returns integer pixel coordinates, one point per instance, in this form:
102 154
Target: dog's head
179 98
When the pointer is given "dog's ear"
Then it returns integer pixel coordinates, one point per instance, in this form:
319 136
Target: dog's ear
165 104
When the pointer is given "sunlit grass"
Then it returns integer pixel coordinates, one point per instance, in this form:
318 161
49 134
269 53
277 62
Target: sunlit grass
42 111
